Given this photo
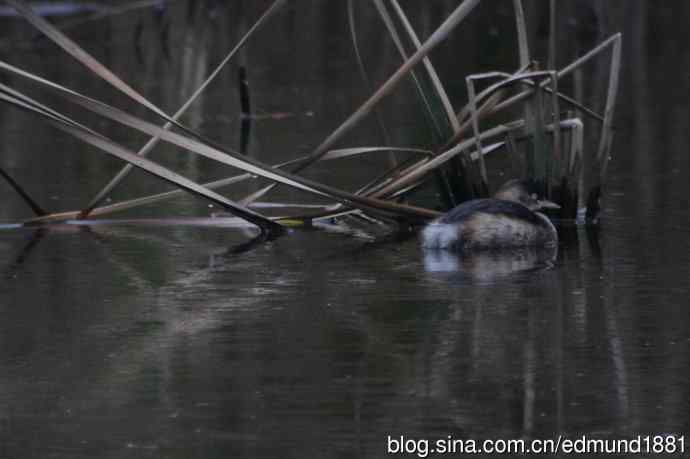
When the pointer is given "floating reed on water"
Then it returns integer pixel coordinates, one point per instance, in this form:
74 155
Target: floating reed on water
546 144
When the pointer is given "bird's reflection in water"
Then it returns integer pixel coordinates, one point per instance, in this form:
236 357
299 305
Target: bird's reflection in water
489 265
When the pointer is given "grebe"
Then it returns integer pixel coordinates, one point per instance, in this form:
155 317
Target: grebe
509 219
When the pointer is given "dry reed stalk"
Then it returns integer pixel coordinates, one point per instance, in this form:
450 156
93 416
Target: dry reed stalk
116 150
437 37
122 174
227 157
80 54
433 75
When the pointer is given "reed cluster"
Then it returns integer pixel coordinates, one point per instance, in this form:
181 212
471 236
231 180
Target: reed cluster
548 141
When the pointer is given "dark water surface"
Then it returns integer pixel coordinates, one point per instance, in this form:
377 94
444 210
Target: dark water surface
160 340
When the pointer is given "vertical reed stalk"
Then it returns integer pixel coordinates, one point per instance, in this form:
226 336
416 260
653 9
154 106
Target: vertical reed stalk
555 158
606 139
484 184
553 34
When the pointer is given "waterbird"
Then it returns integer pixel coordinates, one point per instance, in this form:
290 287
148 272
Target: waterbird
509 219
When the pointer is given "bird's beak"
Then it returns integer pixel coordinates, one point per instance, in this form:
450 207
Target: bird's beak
548 205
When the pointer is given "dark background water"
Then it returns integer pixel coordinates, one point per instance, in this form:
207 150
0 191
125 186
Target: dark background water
156 340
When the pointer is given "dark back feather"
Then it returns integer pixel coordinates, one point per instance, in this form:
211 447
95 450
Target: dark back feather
498 207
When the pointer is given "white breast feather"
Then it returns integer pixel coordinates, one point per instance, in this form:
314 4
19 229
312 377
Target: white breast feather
439 235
